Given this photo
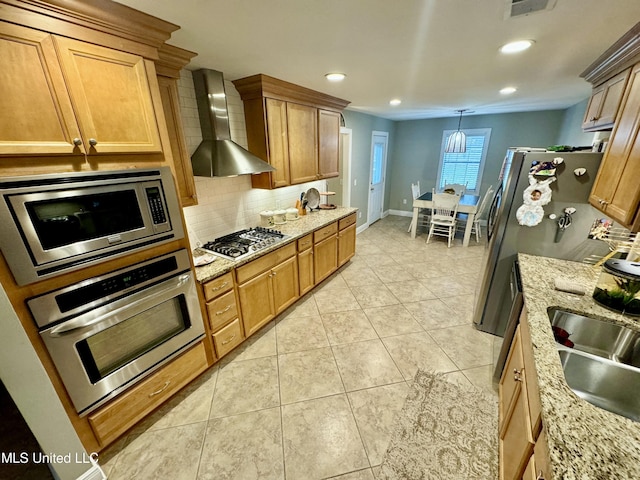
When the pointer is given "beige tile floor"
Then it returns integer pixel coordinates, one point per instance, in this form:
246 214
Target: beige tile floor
313 394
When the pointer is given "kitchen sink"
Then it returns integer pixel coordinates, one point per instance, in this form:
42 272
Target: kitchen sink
601 361
597 337
611 386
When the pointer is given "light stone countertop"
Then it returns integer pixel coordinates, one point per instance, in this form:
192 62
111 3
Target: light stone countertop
295 229
585 442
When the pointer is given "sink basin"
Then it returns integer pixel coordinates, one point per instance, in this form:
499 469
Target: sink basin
604 339
603 383
601 361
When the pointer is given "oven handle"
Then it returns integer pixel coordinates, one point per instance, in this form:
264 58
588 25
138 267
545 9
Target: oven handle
79 323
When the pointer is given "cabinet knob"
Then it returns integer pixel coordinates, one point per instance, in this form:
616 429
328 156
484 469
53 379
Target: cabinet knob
77 142
93 142
540 475
593 119
517 375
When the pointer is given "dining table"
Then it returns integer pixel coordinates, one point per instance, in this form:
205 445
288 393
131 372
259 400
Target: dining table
468 204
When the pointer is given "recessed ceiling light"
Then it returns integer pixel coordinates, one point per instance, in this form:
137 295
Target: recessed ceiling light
335 77
395 101
508 90
517 46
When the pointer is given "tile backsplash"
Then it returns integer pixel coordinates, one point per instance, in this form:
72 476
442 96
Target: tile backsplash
227 204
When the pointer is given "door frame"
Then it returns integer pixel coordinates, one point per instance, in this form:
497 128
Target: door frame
346 137
376 133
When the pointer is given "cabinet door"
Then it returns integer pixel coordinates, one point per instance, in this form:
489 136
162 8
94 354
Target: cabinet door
181 159
284 278
346 244
37 117
256 302
111 96
305 271
616 190
302 129
276 112
604 103
325 258
328 141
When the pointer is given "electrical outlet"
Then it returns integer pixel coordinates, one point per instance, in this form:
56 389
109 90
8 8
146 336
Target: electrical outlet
355 182
404 201
359 214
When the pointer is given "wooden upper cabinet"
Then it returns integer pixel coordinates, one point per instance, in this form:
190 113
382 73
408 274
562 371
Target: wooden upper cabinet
302 128
37 115
111 96
293 128
616 190
604 103
181 160
328 141
278 142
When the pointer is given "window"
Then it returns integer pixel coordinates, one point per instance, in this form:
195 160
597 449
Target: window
464 168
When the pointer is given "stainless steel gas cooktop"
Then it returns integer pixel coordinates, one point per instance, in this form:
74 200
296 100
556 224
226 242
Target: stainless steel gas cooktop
243 243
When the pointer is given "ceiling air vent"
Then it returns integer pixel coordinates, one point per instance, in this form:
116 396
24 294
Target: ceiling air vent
515 8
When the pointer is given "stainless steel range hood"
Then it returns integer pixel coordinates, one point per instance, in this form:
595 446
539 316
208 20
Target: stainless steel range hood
218 155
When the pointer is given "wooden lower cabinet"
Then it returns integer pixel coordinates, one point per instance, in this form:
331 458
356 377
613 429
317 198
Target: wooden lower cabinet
346 244
267 286
305 263
112 420
325 251
519 407
227 338
538 466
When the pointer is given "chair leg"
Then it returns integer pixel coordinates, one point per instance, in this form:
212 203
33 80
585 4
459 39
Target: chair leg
410 225
430 233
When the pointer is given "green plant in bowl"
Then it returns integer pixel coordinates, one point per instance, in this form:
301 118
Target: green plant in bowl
624 298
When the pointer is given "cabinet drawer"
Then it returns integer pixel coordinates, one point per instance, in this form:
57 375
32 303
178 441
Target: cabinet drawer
305 242
264 263
113 420
228 338
222 309
345 222
218 286
325 232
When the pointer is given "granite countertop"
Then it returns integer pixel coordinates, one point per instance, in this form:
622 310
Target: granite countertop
294 229
585 442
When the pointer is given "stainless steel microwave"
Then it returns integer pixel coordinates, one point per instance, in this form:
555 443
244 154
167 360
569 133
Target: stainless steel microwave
56 223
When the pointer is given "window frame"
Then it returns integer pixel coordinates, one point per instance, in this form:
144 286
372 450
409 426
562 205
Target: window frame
472 132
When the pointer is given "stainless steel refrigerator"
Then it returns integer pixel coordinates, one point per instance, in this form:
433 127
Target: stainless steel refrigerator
498 290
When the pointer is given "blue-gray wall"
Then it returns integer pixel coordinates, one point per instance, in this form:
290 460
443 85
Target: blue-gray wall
414 147
362 125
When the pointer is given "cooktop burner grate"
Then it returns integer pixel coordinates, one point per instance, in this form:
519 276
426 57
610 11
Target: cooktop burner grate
240 244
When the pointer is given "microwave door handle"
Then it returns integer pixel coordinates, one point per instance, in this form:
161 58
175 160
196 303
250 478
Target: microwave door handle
79 323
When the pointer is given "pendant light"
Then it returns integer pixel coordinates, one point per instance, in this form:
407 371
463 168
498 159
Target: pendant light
457 141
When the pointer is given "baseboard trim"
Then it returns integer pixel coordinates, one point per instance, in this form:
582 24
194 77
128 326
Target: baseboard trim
401 213
94 473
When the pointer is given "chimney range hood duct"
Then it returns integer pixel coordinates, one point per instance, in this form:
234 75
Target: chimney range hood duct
218 155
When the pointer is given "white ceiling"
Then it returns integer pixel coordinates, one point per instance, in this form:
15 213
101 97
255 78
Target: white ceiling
436 55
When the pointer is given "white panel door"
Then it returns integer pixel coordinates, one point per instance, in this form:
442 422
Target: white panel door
379 141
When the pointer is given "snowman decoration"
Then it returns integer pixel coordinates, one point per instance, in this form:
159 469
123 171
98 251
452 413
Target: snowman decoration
535 196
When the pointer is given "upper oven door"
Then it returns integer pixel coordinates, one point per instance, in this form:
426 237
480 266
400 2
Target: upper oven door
64 223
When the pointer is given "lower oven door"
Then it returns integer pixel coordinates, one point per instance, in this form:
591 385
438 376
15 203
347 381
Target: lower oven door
105 350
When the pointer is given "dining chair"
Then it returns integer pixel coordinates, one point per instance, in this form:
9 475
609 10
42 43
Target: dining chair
480 214
444 208
457 188
423 218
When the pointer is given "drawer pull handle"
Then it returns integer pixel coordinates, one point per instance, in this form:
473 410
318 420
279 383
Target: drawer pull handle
77 142
226 309
162 389
229 340
540 475
219 287
517 375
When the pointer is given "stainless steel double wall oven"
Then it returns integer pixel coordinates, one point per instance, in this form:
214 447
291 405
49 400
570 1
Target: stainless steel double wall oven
103 333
